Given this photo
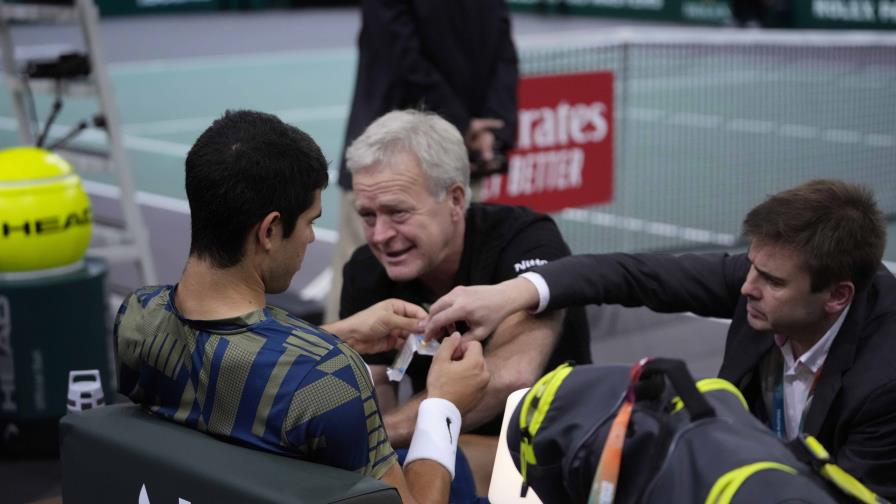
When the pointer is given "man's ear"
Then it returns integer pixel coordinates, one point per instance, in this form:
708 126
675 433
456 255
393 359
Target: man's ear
458 197
839 297
268 229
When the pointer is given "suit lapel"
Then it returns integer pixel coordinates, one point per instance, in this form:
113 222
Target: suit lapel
743 349
839 360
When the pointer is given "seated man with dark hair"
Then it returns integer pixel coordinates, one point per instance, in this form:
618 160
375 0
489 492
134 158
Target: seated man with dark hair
210 354
410 175
812 339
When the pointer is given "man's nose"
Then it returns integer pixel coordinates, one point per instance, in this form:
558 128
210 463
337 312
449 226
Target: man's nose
749 288
382 230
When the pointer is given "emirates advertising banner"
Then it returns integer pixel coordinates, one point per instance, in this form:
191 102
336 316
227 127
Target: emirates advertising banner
564 146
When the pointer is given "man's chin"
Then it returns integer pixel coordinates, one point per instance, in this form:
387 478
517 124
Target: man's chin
402 273
758 324
276 289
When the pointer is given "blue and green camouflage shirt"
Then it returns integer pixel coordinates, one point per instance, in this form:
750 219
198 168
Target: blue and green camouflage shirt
265 379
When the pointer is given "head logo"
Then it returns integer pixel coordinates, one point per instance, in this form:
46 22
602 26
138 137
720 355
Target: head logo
45 225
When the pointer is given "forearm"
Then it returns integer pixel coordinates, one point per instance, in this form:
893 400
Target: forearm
386 390
341 328
495 398
400 421
350 331
422 481
516 357
428 481
706 284
431 459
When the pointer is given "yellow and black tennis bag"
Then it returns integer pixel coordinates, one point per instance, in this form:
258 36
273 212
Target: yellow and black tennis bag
650 434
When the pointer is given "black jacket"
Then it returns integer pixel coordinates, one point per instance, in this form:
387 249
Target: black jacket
452 57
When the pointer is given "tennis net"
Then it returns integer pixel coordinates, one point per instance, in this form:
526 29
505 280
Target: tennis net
708 122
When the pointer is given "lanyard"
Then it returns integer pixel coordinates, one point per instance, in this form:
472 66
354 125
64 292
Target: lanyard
603 487
779 420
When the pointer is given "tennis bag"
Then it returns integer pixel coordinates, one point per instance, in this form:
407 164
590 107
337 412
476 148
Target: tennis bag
649 434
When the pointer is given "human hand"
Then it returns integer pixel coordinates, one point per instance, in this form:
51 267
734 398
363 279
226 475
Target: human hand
380 327
480 139
482 307
461 381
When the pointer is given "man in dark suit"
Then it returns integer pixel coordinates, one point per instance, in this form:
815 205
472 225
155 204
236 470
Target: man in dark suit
812 339
452 57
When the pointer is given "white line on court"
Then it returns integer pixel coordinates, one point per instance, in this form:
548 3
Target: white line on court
693 81
842 136
696 120
151 200
299 114
634 224
34 51
154 146
175 205
98 137
229 61
800 131
877 140
751 126
319 286
643 114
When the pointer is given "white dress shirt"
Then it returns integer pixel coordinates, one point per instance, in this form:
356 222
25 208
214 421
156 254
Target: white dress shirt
798 374
544 293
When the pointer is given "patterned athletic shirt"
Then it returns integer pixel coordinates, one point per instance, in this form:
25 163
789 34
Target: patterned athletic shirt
265 379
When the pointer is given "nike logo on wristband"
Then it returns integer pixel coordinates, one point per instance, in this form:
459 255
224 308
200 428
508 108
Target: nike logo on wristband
448 423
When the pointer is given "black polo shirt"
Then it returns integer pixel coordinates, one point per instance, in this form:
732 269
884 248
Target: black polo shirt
500 242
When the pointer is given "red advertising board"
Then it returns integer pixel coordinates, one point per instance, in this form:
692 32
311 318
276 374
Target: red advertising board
564 146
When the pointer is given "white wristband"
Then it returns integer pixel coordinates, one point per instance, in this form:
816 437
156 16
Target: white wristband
436 433
544 293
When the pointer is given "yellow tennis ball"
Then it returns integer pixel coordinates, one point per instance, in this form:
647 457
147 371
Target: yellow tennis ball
45 216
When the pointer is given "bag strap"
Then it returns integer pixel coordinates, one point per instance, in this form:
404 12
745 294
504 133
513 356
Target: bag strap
606 477
683 383
811 451
643 382
535 406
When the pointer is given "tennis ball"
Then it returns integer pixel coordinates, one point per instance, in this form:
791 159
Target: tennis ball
45 216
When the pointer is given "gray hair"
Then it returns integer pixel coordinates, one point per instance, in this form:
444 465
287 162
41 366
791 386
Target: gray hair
435 142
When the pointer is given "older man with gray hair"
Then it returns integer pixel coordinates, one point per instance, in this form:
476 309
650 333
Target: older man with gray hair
411 185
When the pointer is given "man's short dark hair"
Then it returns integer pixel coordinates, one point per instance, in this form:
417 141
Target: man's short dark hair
836 227
244 166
